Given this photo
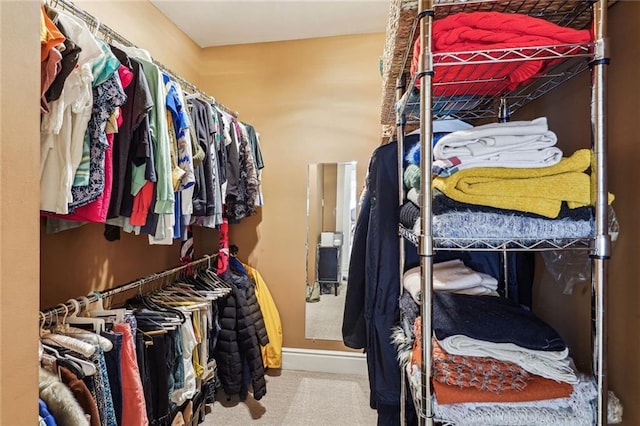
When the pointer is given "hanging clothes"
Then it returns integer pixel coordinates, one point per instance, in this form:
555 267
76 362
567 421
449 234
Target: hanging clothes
63 128
60 401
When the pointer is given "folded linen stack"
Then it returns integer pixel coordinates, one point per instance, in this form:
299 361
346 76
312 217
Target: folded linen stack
516 144
496 389
492 355
501 329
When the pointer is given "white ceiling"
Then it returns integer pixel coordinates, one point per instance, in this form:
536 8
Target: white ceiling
224 22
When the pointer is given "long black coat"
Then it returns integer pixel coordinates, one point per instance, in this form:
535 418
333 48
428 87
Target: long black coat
373 287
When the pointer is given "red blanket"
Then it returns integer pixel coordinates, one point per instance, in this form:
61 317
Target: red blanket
481 31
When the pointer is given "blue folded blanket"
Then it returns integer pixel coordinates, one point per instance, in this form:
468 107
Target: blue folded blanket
464 225
492 319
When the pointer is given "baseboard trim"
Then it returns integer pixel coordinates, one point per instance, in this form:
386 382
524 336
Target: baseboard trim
337 362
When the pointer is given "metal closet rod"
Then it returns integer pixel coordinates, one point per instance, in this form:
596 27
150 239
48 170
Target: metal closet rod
110 35
95 296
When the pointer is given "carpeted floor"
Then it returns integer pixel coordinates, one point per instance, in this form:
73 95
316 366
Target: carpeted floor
323 319
299 398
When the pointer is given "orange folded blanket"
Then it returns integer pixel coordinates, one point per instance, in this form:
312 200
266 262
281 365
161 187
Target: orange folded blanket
538 388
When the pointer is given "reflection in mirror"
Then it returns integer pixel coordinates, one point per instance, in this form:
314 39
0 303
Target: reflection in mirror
331 218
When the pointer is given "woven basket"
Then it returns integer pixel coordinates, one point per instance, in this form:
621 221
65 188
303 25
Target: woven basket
401 16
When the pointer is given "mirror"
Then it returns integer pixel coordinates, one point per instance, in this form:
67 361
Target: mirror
331 219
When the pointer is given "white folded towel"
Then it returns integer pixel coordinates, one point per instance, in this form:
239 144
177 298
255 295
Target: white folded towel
494 137
454 276
478 291
549 364
518 144
456 146
544 157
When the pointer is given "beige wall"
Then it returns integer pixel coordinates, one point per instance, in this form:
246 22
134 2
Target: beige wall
19 195
568 112
312 101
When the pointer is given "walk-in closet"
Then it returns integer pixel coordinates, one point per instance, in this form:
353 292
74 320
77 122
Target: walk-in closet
231 228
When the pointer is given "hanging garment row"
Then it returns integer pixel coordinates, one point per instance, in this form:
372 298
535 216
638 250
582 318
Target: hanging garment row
158 358
122 143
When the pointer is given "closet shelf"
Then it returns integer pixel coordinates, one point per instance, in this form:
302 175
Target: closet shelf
466 105
568 13
490 244
402 32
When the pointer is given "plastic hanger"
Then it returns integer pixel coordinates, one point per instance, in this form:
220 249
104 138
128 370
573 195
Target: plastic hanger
100 311
97 324
43 321
72 343
87 368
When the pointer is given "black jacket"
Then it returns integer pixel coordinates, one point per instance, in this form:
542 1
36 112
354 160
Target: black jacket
238 276
237 344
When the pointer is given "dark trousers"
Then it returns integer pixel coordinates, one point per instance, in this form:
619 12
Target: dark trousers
114 371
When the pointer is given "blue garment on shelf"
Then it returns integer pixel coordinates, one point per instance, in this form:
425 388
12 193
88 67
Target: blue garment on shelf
492 319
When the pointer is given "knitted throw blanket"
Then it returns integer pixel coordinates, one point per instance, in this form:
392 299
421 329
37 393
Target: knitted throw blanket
495 226
483 373
476 31
575 410
442 204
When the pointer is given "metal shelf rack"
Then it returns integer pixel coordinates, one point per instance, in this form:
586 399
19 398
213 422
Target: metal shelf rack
491 244
421 105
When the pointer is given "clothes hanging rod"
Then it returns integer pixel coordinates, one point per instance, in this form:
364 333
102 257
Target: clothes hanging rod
95 296
110 35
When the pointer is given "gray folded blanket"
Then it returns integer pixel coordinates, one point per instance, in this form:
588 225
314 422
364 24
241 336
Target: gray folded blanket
508 226
501 226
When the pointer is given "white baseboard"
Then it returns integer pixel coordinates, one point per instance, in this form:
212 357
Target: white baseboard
337 362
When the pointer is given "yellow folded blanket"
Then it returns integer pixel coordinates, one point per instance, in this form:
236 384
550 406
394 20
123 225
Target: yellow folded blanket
537 190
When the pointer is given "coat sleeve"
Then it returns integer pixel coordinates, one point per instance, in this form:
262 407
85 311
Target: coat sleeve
354 330
256 313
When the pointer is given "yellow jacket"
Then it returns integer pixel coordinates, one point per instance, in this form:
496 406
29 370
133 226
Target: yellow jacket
272 353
